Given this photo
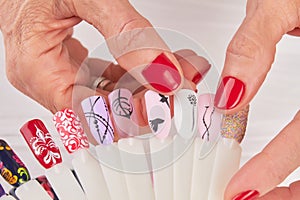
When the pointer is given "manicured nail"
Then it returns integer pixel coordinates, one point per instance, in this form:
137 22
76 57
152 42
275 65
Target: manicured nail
201 74
98 119
158 113
185 113
162 74
247 195
43 181
41 143
70 130
123 112
209 123
229 93
12 169
234 125
2 192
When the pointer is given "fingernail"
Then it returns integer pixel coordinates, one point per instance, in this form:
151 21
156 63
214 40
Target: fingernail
12 169
229 93
123 112
185 113
41 143
70 130
43 181
209 123
2 192
98 119
197 78
162 74
247 195
158 113
234 125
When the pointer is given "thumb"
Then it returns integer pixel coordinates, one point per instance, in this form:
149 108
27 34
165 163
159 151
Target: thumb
134 43
270 167
251 52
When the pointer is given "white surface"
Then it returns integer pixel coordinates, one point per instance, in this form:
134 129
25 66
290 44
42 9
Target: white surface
210 22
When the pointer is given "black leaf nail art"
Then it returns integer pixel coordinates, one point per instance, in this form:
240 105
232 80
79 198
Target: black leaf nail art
155 122
122 107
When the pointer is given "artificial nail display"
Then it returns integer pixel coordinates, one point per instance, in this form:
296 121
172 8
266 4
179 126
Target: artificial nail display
2 192
98 119
123 112
70 130
209 122
234 125
41 143
230 92
185 112
162 74
158 112
12 168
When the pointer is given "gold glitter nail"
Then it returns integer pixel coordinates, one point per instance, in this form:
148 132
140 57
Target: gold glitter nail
234 125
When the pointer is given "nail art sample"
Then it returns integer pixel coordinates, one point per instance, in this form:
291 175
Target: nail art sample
70 130
97 116
41 143
234 125
158 113
247 195
43 181
209 123
185 113
123 113
162 74
2 192
12 169
230 92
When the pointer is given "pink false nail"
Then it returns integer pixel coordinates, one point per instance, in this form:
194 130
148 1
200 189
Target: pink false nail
98 119
70 130
158 112
41 144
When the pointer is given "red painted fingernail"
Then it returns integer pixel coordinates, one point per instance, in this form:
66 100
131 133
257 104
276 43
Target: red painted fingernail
162 74
247 195
229 93
70 130
41 144
197 78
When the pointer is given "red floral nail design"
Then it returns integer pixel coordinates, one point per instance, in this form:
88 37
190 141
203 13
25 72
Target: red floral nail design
71 132
41 144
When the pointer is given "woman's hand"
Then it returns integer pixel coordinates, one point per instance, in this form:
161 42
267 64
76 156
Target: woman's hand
47 64
249 58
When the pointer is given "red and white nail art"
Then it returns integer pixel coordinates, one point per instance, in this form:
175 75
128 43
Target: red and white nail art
158 112
70 130
41 144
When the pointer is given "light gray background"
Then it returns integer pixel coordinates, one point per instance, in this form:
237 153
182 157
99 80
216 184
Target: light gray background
212 23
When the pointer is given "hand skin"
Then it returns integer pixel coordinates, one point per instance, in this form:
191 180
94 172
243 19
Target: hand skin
45 63
249 57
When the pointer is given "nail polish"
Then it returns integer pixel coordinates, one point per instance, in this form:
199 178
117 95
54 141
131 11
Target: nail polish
2 192
41 143
229 94
70 130
247 195
162 74
197 78
12 169
185 113
123 112
86 167
43 181
158 113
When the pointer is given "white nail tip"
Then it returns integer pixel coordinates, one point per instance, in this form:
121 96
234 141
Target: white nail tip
209 123
185 113
158 113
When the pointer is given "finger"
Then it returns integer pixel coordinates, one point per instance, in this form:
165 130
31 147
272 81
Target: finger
270 167
292 192
134 43
194 67
251 52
